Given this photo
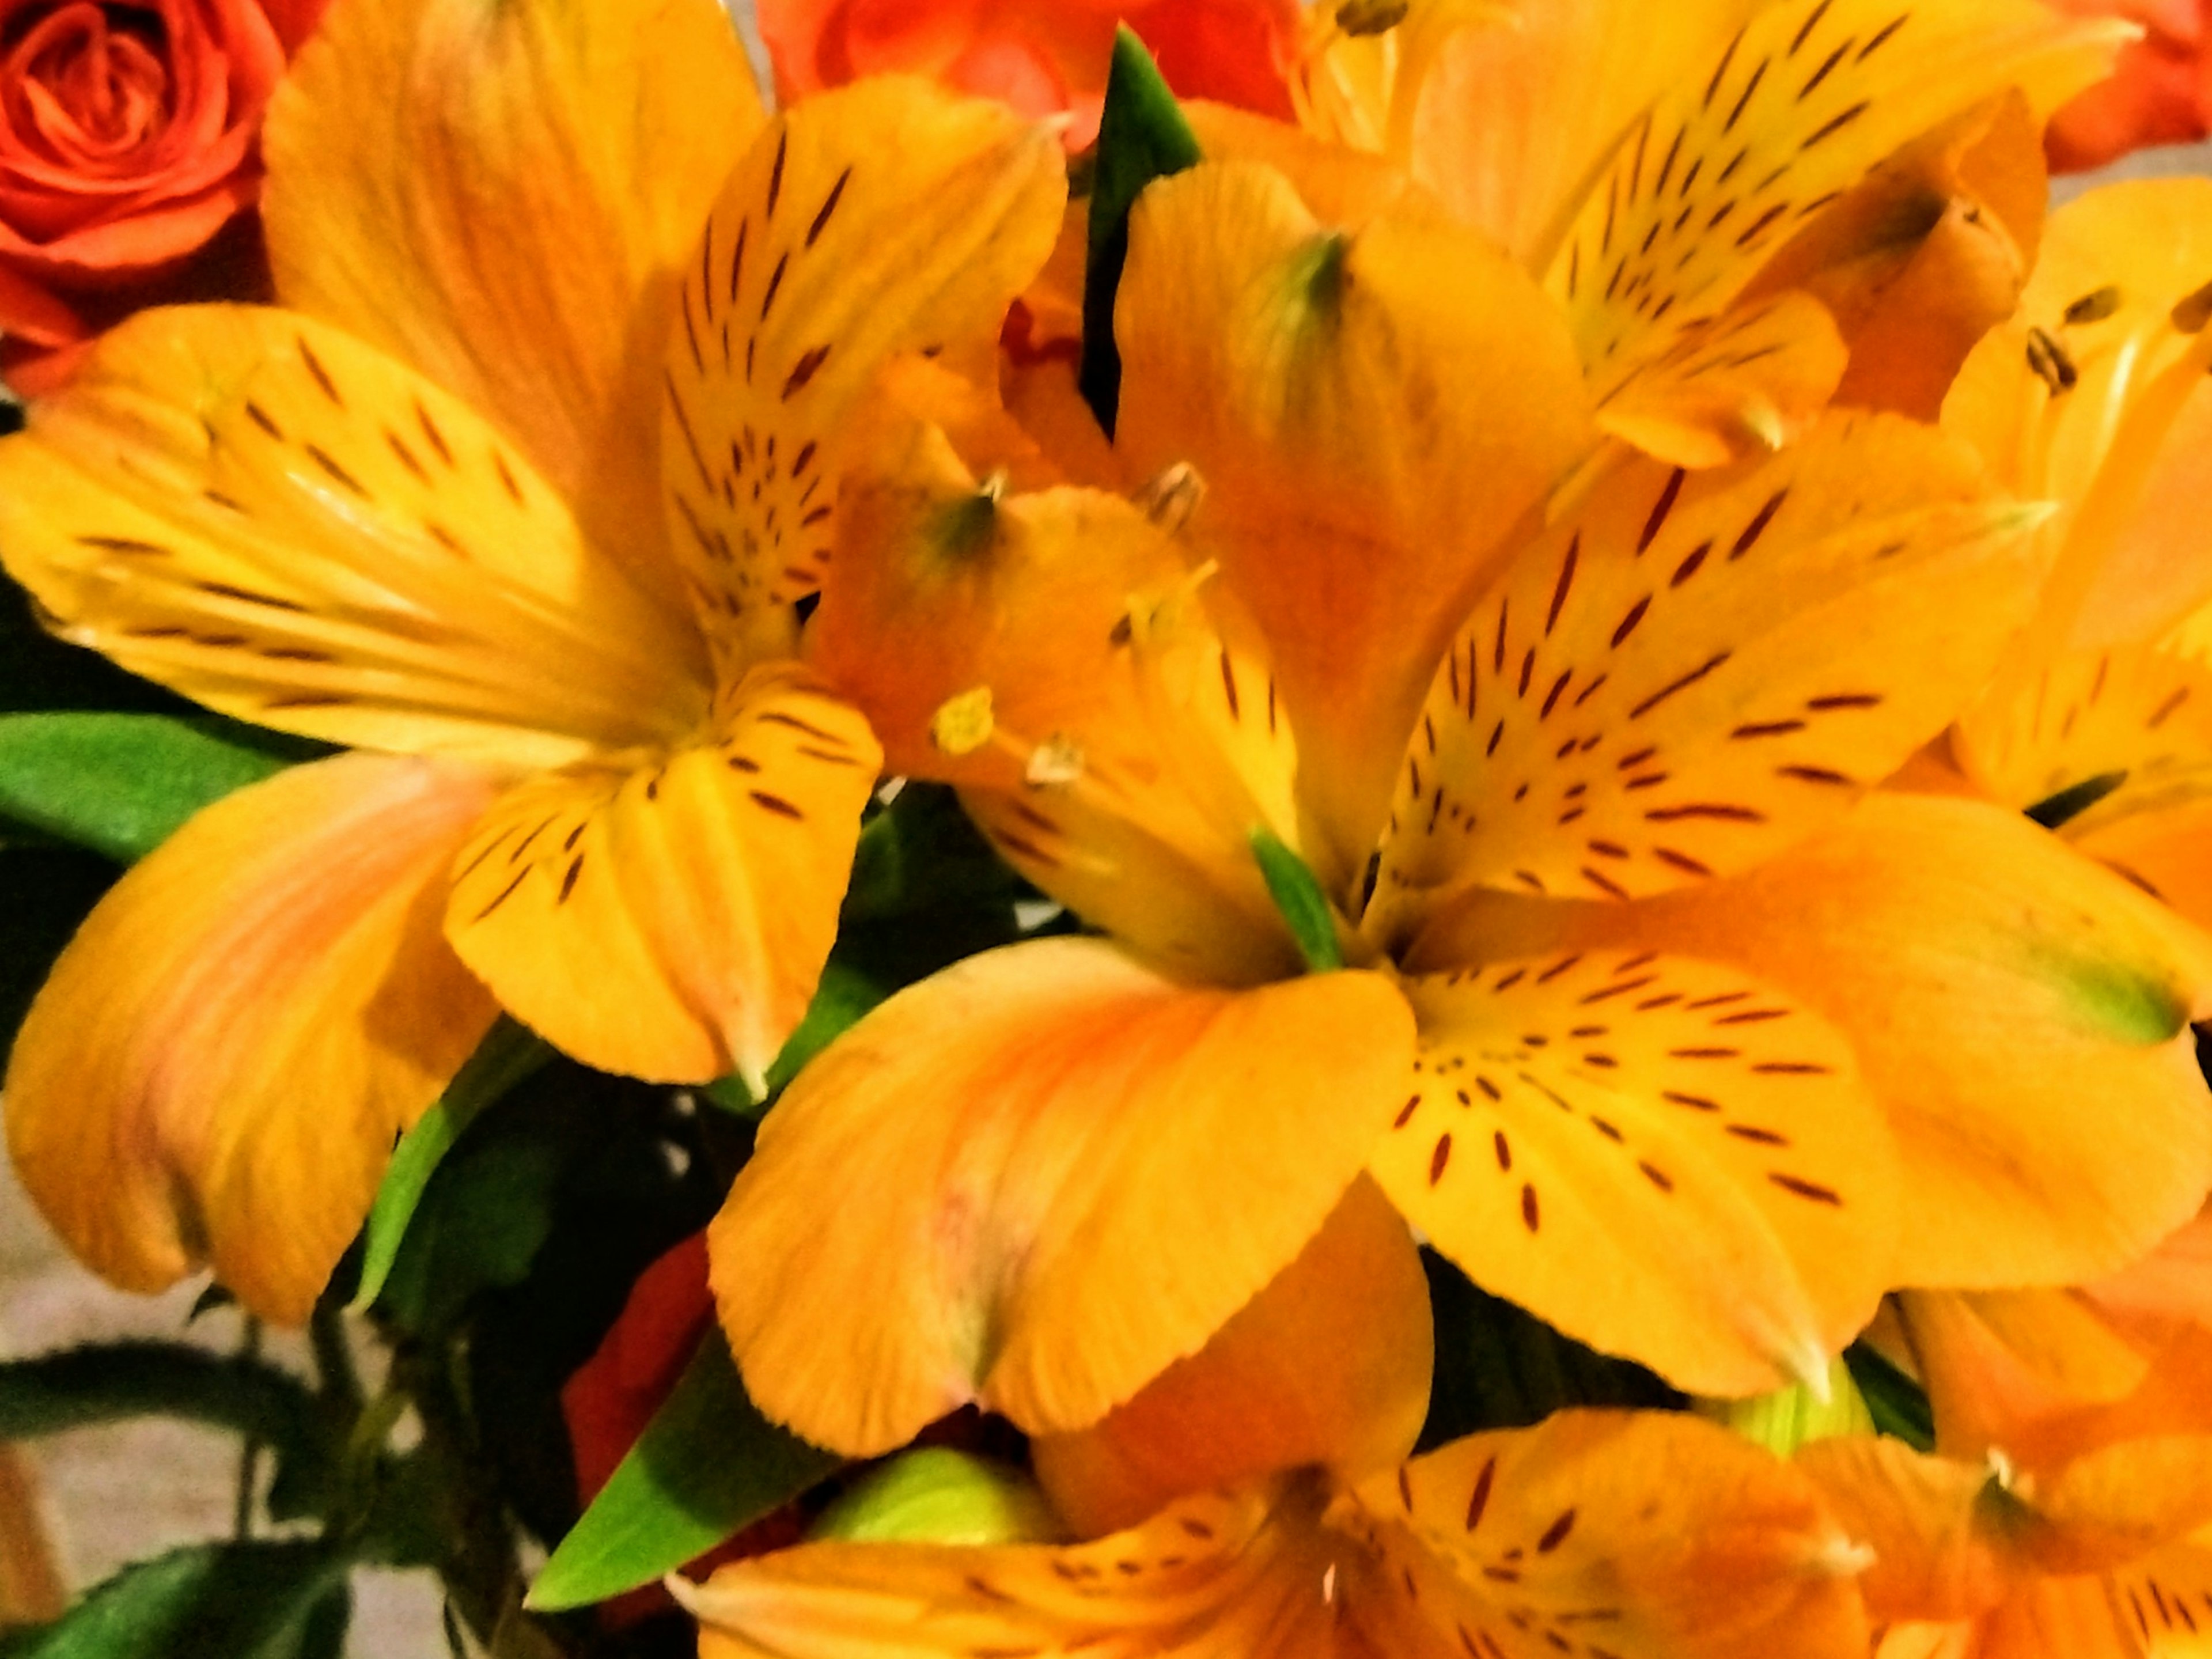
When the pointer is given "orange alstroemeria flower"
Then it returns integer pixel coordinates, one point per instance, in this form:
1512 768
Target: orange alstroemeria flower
1656 1019
1258 1499
452 506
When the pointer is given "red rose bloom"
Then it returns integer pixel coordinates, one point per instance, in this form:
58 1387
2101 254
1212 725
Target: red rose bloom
1042 57
2158 92
127 140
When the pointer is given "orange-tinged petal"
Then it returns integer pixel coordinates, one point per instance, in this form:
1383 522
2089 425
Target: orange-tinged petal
221 1059
1329 1364
1665 1158
2162 849
2167 1596
1077 1171
2114 1505
1924 257
1743 385
1369 411
1774 125
500 196
286 524
1645 1534
1240 1574
2045 397
1989 980
875 219
1517 118
1686 674
1121 768
1339 185
1999 1364
1934 1559
668 918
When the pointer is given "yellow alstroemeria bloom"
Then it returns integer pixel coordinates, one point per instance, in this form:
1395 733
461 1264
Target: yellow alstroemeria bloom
446 506
1657 1020
1723 194
2097 398
1257 1499
2081 1529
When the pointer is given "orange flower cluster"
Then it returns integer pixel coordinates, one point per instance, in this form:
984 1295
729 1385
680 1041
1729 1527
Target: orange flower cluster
1586 623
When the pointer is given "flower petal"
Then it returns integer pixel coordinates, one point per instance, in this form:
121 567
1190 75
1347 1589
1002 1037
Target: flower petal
874 219
1934 1559
1239 1574
221 1059
668 919
287 525
1686 674
1076 1172
1329 1364
1369 411
1776 124
1989 979
500 195
1647 1534
1665 1158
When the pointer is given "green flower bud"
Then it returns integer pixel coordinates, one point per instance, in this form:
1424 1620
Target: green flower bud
938 1496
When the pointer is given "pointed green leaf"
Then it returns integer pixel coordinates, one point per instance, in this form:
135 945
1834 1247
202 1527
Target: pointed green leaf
1141 136
708 1466
121 784
255 1599
1898 1405
507 1055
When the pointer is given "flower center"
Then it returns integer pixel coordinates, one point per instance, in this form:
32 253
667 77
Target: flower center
88 84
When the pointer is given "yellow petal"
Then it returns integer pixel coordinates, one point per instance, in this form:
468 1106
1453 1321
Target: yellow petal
223 1058
1121 768
1517 118
874 219
2162 849
1773 124
287 525
1688 673
1076 1171
1989 979
1665 1158
2138 712
1211 1576
1645 1534
1746 384
669 918
1917 262
1329 1364
1369 411
2167 1596
2096 320
500 196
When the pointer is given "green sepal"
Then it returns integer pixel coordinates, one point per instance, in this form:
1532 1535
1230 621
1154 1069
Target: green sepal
253 1600
121 784
507 1055
1297 895
1141 136
707 1467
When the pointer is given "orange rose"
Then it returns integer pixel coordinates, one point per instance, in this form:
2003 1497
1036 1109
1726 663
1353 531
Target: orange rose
1041 57
2158 93
127 140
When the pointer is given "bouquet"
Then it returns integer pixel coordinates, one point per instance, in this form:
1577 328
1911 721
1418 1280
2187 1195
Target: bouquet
1207 828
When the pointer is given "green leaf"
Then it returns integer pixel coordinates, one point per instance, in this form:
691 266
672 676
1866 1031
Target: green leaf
112 1382
1897 1404
1141 136
1500 1367
507 1055
255 1599
708 1466
121 784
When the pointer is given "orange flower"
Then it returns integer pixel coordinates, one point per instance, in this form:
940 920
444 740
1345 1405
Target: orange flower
1041 56
2157 93
128 139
